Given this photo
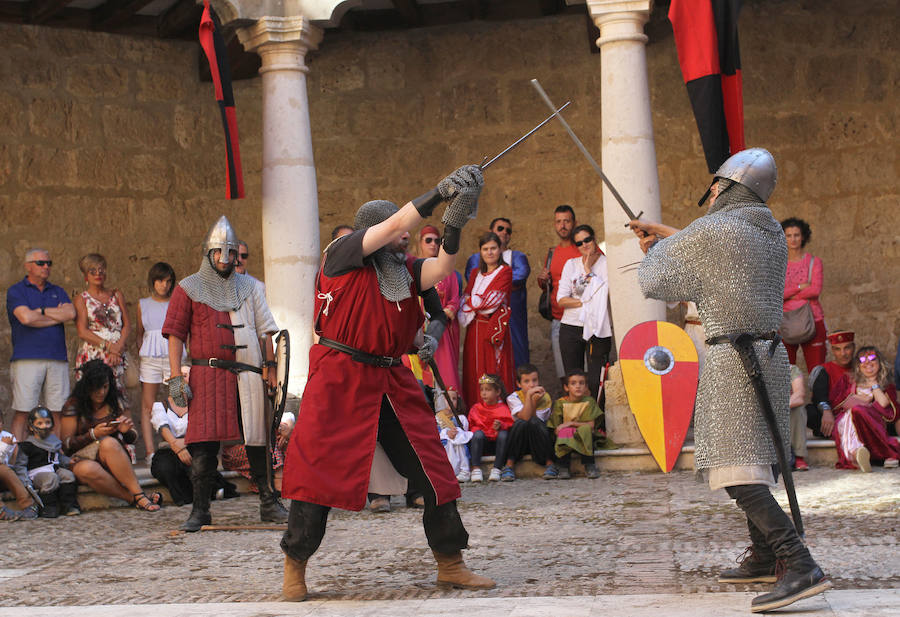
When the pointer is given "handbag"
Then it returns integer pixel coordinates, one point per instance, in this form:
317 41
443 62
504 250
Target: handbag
544 307
799 326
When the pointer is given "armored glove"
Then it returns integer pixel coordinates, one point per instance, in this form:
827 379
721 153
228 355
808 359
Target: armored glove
462 187
180 391
433 334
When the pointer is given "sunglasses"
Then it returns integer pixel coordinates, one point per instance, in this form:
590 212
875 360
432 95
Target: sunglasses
870 358
431 239
244 255
42 262
587 240
500 228
96 271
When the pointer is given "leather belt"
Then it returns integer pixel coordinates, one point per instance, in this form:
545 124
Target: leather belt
728 338
693 322
228 365
361 356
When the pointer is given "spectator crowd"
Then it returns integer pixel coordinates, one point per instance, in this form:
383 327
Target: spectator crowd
488 396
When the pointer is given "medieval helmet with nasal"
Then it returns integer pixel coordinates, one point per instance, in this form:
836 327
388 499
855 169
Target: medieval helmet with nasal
223 237
754 168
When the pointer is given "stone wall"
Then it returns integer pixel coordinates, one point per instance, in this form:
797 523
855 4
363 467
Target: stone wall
115 146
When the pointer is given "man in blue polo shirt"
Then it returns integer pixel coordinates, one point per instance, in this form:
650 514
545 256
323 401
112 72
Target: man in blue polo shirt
39 367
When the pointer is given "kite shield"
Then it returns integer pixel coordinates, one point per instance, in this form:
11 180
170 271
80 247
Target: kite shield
660 369
282 366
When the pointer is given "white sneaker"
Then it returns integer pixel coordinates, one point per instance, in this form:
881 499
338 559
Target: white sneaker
891 463
463 476
495 475
477 476
862 459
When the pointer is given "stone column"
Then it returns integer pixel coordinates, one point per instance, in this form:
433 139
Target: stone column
290 210
629 161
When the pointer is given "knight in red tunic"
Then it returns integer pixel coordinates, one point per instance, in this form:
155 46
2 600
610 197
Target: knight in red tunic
226 320
358 391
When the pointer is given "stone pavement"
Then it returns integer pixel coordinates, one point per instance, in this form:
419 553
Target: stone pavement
630 539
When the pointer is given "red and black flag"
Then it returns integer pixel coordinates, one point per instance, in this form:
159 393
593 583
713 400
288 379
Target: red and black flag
706 37
214 47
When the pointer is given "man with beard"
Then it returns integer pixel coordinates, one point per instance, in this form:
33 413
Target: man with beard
732 262
359 391
225 316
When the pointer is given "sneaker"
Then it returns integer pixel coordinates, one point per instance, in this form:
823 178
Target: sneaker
862 459
464 476
551 473
564 473
507 475
477 475
591 471
800 464
891 463
495 475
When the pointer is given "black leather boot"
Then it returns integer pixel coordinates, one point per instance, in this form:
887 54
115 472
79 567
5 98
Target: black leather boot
756 565
802 577
68 499
270 508
203 467
51 504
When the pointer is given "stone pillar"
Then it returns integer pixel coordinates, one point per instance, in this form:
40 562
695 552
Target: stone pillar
629 161
290 210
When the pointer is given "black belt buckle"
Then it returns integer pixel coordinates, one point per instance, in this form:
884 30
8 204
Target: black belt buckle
384 361
213 362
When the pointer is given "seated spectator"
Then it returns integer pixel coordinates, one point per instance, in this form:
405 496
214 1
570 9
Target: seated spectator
576 421
530 406
103 323
798 419
94 434
42 465
819 413
455 433
867 403
234 458
489 421
172 462
28 509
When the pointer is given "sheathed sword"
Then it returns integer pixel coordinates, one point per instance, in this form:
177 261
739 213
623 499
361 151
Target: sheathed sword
628 211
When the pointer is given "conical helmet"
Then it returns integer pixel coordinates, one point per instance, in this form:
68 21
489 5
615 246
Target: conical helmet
754 168
221 236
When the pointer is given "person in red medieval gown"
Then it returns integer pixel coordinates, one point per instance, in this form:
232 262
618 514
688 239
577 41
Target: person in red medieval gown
485 314
226 320
865 404
358 392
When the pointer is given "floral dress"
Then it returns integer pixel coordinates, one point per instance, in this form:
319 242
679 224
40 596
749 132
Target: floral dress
105 320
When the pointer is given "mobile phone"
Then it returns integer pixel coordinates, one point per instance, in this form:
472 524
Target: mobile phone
114 422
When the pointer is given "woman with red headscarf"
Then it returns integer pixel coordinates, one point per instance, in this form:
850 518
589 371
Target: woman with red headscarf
447 355
485 313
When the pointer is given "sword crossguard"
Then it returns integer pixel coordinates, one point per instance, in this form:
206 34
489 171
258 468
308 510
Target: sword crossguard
635 218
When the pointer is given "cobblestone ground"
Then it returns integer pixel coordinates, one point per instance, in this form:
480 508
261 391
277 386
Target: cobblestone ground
624 533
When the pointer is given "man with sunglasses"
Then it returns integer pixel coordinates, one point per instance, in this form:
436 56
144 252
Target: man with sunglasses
39 368
518 301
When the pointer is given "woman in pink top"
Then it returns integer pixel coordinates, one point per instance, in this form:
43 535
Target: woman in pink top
799 289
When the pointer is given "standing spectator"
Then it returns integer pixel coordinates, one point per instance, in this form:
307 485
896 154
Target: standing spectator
447 355
154 353
564 222
819 413
799 289
485 313
798 419
102 322
39 367
583 293
868 403
518 301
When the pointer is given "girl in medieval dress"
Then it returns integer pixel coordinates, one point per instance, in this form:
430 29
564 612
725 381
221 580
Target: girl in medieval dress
867 403
447 355
485 313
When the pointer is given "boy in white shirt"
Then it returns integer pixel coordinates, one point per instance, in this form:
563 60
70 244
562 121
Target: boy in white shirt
530 406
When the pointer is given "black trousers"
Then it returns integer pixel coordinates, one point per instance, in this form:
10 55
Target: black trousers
530 437
573 349
481 445
443 525
176 476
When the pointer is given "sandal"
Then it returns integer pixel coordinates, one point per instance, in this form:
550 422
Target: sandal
6 514
142 502
157 498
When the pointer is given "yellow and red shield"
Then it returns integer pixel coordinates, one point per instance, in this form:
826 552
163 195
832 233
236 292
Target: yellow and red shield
659 368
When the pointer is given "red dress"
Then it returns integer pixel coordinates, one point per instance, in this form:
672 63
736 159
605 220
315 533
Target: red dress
330 453
488 346
857 424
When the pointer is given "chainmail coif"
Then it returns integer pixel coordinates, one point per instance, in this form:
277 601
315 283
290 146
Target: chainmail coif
222 294
394 278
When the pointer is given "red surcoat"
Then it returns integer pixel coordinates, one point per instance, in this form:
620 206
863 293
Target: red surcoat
330 453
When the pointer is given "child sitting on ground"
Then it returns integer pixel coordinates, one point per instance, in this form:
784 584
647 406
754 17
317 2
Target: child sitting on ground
42 465
454 435
576 421
489 421
9 480
530 406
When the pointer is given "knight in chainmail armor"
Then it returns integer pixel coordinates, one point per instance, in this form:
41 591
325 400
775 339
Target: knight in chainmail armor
225 317
731 263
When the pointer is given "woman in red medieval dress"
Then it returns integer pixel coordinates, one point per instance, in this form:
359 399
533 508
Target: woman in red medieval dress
868 402
485 313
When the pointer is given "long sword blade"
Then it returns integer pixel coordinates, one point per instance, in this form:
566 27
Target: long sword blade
587 155
525 136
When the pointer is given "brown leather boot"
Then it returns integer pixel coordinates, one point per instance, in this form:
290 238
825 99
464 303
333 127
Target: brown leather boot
294 587
452 572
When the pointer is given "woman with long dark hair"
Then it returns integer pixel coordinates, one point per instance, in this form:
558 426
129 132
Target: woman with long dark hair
94 432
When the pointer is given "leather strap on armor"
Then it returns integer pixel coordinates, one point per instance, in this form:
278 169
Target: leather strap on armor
361 356
425 204
228 365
